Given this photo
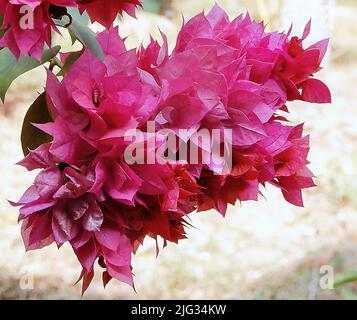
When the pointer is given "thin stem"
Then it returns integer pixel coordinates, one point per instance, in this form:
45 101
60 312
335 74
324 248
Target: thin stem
55 62
67 25
70 20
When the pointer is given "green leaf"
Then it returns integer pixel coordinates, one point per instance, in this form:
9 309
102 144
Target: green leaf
31 137
156 6
72 58
152 6
10 68
345 278
348 294
87 37
76 15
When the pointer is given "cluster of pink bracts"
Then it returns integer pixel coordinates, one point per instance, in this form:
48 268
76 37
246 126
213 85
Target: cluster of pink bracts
220 75
31 40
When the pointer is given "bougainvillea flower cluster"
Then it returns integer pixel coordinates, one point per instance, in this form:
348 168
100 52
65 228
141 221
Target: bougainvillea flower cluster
29 23
221 75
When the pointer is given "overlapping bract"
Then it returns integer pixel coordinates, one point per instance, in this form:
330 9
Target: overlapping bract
235 75
221 75
28 29
105 12
28 23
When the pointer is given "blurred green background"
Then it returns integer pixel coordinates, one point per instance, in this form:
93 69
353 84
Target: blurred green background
264 250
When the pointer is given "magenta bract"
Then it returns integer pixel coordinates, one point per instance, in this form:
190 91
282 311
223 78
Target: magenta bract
221 75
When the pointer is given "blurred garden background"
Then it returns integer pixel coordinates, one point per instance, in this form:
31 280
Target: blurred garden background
263 250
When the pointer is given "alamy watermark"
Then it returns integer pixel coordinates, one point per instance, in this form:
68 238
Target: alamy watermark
27 20
327 277
182 146
27 279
